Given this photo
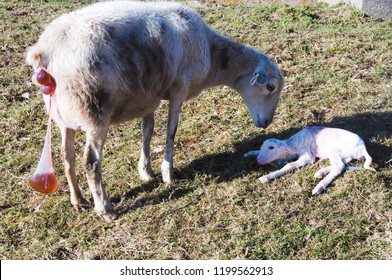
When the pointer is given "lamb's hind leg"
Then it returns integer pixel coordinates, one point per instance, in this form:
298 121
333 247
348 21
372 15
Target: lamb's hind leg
368 160
337 166
144 167
68 152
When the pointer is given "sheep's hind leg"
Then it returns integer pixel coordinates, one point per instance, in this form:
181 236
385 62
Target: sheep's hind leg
68 152
93 157
337 166
144 166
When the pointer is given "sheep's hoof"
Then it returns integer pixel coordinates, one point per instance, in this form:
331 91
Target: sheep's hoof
264 179
109 216
145 172
167 173
80 204
318 190
167 179
145 175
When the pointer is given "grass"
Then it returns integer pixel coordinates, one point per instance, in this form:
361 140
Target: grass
338 69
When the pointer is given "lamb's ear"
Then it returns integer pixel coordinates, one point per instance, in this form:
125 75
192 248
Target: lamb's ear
289 149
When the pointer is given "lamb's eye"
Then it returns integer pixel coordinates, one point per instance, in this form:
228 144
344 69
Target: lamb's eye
271 147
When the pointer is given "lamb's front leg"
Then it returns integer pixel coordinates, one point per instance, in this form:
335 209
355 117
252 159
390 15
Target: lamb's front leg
323 172
167 164
144 167
301 161
251 154
337 166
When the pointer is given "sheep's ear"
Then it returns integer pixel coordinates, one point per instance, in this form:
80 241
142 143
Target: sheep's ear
258 79
290 149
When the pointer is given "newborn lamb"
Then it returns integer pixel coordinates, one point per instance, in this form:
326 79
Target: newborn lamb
338 145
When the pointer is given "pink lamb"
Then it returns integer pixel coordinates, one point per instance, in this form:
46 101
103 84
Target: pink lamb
338 145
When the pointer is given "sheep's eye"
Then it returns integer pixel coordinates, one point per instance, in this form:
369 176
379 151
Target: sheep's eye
271 87
271 147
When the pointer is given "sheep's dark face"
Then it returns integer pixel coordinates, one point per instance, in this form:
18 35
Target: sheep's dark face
262 91
270 151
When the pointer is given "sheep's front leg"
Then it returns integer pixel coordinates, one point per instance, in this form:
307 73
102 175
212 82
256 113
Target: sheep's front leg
301 161
337 166
144 167
167 164
93 157
68 151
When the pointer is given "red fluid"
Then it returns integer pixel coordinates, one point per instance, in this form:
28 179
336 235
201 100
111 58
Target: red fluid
44 183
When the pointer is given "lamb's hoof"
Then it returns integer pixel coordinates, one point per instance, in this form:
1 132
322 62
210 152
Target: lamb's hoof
319 175
264 179
318 190
109 216
250 154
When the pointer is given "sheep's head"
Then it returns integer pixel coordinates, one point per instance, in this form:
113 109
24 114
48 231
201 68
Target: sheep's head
274 149
261 91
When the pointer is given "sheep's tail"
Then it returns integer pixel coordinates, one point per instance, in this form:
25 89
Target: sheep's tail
33 58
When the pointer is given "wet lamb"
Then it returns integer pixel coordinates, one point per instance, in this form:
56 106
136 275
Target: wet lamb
338 145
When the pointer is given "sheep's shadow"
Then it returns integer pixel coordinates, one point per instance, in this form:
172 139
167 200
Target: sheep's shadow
227 166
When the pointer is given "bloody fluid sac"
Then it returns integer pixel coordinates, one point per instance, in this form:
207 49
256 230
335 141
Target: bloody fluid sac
44 183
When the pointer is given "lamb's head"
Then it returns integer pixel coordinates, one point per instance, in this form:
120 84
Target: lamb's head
261 91
274 149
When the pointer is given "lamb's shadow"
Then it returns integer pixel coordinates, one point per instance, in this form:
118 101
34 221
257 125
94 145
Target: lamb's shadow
227 166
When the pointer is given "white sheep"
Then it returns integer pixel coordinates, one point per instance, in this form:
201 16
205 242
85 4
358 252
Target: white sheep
338 145
115 61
